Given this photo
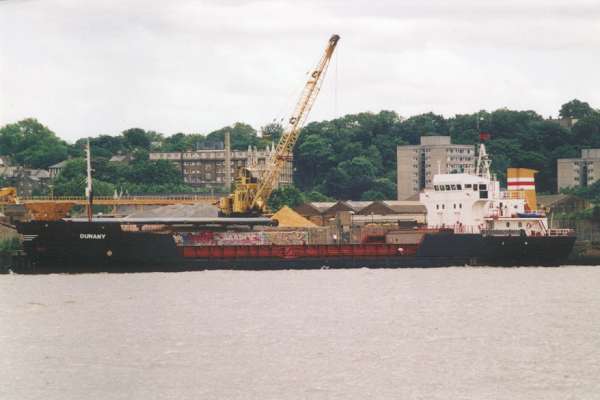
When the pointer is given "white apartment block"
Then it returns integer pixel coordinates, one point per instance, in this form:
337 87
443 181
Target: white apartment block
417 164
574 172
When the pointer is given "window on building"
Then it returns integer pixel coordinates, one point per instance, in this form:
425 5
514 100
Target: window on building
460 205
454 206
475 187
508 224
443 206
453 187
520 224
458 187
447 187
437 206
467 186
436 187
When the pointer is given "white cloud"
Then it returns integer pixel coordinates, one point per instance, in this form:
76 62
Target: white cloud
86 68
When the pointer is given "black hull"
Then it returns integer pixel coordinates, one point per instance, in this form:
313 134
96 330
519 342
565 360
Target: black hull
59 247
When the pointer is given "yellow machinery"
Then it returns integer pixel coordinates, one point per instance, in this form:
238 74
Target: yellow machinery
8 195
251 194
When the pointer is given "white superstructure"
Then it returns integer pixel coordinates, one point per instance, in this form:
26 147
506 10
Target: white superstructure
475 203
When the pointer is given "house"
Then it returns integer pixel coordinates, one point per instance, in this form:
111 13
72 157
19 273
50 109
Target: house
386 211
57 168
389 207
121 158
27 181
562 203
313 211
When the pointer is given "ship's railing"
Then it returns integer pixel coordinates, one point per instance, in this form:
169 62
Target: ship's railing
140 197
496 213
123 200
561 232
456 228
502 232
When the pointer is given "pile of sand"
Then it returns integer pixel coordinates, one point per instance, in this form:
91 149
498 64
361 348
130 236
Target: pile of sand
290 218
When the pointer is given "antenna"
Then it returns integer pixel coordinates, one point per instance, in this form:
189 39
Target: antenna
89 190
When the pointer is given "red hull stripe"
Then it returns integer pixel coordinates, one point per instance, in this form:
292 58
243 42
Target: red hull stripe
299 251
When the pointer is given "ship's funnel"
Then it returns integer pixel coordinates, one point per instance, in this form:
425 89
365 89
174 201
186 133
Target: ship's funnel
522 180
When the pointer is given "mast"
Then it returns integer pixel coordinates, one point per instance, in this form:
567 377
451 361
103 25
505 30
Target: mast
227 168
484 162
89 192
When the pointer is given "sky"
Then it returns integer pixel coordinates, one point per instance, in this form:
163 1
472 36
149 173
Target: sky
85 67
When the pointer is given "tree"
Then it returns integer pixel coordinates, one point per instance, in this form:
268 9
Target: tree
586 131
32 144
137 138
242 135
287 196
315 195
351 178
372 195
72 181
272 132
575 109
313 158
154 173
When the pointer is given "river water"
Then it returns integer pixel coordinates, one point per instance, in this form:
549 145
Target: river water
447 333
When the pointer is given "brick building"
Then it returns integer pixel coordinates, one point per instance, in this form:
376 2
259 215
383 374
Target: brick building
206 168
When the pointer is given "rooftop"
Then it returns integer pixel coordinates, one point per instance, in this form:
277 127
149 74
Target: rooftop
58 165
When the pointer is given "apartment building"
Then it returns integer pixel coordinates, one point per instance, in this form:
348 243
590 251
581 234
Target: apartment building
206 168
573 172
416 164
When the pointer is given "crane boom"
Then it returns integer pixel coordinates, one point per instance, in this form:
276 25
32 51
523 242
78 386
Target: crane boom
250 195
290 135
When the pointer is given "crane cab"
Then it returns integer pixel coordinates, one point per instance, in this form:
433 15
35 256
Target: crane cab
239 203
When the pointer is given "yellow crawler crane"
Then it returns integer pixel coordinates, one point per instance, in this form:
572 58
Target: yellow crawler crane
8 195
251 194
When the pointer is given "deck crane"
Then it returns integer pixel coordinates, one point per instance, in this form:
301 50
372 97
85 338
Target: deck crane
251 193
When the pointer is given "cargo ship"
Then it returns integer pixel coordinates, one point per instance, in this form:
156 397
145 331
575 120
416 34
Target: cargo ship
470 221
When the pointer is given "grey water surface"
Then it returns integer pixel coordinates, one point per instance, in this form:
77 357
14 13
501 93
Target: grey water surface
444 333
